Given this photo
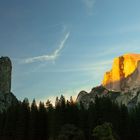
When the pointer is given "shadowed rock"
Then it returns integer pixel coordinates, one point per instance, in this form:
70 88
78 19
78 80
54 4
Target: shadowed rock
121 84
6 96
5 74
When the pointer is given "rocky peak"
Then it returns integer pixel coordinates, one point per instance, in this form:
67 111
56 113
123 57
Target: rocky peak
81 94
5 74
121 84
6 97
124 68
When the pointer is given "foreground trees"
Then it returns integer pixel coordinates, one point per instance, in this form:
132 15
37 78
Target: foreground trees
70 132
104 132
103 120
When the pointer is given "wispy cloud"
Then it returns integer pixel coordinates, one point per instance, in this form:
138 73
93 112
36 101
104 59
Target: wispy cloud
51 57
89 5
120 49
91 67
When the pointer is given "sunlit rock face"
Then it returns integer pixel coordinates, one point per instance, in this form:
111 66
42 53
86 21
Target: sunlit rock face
125 73
121 84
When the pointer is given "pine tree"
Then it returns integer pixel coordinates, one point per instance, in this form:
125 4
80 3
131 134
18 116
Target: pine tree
42 122
22 124
50 120
33 122
124 123
11 117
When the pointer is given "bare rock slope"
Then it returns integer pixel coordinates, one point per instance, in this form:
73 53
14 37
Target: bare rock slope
121 83
124 72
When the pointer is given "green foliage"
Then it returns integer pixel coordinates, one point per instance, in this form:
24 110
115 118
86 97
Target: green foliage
103 132
70 132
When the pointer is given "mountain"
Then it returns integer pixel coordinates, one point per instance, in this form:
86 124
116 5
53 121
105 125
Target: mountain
121 83
7 98
124 73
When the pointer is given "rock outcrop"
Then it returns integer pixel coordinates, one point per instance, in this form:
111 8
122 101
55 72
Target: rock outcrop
5 74
6 100
119 77
6 96
130 99
121 84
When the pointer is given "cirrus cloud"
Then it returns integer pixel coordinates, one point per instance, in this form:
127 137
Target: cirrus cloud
51 57
89 5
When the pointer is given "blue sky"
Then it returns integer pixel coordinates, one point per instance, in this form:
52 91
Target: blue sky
64 46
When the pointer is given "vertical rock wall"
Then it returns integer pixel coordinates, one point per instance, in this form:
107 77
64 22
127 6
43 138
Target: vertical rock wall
5 74
123 67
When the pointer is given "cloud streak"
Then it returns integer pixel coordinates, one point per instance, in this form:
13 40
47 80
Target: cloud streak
89 4
98 66
120 49
51 57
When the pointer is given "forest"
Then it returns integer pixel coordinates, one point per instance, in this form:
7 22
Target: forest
67 120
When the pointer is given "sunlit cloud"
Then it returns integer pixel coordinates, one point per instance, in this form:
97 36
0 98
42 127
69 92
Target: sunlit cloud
51 57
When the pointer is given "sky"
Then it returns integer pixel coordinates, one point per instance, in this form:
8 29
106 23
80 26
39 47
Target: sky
65 46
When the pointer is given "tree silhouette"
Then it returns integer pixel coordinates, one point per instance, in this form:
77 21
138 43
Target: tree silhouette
69 120
103 132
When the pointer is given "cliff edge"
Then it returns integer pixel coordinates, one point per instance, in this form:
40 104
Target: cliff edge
7 98
121 84
118 77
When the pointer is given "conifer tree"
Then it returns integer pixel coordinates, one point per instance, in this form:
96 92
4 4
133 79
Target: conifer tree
22 124
33 122
9 130
42 122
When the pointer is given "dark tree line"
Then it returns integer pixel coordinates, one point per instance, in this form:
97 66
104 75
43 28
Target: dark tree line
70 121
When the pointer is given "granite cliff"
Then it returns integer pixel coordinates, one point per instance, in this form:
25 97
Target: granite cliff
123 69
121 83
5 74
6 96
